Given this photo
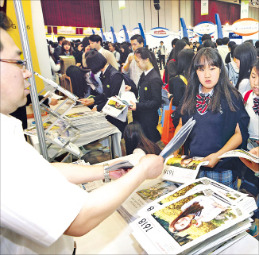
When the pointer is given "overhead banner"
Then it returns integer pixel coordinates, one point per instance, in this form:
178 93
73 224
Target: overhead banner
204 7
66 30
159 32
244 9
245 27
205 27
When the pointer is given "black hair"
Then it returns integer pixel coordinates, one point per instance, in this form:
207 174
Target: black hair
5 24
232 50
95 60
135 138
223 88
60 38
174 41
184 61
249 41
180 44
146 54
246 54
96 38
66 42
205 37
231 44
225 40
161 42
85 42
209 43
219 41
257 44
139 38
186 39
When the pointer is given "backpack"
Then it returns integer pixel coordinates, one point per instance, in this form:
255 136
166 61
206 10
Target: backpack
247 94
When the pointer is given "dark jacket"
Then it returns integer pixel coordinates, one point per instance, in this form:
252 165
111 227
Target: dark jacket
150 99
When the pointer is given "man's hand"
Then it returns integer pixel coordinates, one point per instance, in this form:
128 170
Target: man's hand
127 88
53 101
130 58
152 165
94 109
87 101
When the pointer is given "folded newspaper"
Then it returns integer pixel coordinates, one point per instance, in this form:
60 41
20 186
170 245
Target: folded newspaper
193 219
241 154
182 169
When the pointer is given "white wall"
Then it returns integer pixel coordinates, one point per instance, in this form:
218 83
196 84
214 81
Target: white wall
143 11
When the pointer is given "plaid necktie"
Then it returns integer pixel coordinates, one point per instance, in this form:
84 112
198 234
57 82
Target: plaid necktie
202 103
256 106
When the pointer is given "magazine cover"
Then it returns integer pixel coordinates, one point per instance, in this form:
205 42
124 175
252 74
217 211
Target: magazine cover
241 154
148 192
182 224
182 169
228 195
116 108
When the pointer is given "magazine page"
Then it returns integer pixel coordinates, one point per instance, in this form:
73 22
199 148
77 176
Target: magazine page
227 194
178 140
146 193
240 153
127 97
182 224
182 169
116 108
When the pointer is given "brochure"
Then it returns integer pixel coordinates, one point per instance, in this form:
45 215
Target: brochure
182 169
178 140
240 153
116 108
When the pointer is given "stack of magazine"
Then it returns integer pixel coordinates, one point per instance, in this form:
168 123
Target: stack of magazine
195 218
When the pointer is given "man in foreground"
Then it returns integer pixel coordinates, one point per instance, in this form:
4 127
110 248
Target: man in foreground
40 201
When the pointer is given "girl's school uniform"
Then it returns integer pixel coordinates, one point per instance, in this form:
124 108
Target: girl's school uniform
211 132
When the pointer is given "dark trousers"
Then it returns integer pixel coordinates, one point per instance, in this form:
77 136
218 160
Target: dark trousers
161 60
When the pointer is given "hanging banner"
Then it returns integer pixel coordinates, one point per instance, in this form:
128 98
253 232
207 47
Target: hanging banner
204 7
66 30
205 27
244 9
245 27
122 4
159 32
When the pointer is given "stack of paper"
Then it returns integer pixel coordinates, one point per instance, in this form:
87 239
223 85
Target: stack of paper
195 218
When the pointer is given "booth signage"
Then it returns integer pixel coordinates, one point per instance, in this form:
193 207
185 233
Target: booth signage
245 27
205 27
66 30
136 31
159 32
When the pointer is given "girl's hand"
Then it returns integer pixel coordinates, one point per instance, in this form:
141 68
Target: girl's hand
213 160
94 109
133 107
87 101
127 88
117 173
169 95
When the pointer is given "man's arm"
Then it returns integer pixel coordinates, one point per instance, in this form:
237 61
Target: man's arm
104 201
126 66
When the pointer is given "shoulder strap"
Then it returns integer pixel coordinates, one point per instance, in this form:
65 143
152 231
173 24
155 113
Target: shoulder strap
183 79
247 95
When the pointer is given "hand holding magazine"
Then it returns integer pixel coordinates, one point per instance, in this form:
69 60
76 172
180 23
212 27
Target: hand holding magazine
241 154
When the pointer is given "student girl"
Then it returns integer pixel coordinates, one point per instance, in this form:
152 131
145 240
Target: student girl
244 57
149 91
177 84
221 119
66 48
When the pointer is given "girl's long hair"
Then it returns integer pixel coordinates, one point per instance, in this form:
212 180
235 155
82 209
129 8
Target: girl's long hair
184 61
146 54
211 57
246 54
180 44
135 138
192 209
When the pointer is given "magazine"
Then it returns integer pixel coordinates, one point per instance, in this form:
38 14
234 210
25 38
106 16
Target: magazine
178 140
146 193
184 223
116 108
241 154
226 194
182 169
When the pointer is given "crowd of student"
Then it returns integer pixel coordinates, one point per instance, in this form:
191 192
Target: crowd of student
199 84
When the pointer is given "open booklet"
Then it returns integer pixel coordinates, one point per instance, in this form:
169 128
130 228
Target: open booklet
182 169
178 140
240 154
185 219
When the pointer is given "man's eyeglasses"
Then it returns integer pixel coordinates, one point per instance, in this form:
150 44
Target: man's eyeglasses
21 63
